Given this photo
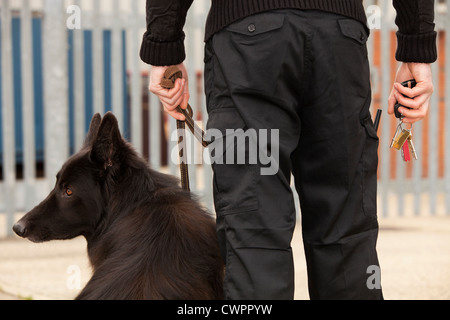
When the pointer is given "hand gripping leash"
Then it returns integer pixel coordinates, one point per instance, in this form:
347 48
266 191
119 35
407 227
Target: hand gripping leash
168 82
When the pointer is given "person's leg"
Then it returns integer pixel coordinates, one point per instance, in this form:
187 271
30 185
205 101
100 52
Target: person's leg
335 164
245 84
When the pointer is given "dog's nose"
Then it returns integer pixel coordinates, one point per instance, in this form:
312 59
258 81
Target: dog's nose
20 229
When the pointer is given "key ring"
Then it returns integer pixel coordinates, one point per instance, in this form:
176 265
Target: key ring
410 125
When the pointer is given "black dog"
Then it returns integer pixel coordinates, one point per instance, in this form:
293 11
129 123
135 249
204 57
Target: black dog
147 238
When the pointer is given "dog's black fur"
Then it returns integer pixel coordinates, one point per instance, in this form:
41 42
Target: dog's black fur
147 238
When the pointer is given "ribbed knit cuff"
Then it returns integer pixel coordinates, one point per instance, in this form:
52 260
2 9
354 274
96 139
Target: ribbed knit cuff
162 53
416 47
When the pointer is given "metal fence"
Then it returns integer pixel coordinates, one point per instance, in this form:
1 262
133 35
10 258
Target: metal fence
54 76
419 187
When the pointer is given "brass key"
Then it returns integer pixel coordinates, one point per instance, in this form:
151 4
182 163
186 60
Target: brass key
401 139
399 129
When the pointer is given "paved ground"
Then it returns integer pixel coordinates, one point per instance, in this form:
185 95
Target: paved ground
6 296
414 256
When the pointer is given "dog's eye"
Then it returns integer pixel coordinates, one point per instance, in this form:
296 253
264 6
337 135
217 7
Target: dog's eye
69 192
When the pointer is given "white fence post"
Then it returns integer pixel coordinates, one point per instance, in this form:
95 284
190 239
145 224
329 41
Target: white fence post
136 87
56 108
78 85
385 90
116 68
98 62
29 157
9 160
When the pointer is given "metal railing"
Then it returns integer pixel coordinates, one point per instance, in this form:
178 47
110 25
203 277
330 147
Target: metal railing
54 78
423 186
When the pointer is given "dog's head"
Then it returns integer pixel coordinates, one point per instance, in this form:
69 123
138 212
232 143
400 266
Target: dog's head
75 205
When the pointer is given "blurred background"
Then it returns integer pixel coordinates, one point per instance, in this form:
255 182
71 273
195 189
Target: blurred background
62 61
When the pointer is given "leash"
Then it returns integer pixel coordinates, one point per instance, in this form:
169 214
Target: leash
168 82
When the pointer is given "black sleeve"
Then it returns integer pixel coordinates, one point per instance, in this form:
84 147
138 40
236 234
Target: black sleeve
416 37
163 42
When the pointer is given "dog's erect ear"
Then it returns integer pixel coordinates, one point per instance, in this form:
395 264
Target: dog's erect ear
108 142
93 129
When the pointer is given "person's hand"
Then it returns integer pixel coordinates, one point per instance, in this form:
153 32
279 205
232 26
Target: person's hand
417 98
170 99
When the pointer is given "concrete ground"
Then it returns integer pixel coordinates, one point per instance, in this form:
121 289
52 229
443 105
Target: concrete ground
6 296
414 255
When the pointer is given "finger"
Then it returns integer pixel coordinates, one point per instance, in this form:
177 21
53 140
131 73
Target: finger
174 92
173 102
411 116
166 93
185 100
175 114
391 101
418 90
171 107
411 120
415 103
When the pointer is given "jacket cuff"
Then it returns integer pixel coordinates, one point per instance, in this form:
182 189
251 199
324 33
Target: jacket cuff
419 48
159 53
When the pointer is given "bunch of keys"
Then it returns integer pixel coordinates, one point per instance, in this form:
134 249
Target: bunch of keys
402 139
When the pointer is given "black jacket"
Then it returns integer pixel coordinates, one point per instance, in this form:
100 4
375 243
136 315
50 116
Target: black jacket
163 42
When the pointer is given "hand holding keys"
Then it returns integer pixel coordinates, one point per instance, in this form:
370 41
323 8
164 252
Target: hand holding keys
402 139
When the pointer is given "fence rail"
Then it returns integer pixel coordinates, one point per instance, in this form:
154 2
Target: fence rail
53 79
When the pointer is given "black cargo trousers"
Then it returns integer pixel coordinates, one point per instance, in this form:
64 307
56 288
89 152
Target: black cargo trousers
304 76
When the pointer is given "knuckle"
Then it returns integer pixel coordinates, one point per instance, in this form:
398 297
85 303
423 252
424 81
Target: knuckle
415 105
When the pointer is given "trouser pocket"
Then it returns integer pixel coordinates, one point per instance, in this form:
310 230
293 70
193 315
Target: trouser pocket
234 182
